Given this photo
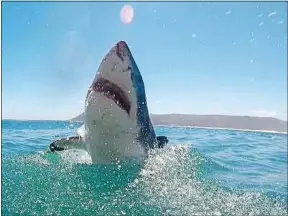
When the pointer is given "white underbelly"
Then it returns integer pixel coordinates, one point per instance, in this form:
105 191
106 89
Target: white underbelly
112 146
111 134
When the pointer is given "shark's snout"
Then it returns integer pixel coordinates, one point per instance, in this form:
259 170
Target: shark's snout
113 79
122 50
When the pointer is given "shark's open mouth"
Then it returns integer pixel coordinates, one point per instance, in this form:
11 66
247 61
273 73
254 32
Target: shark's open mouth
113 92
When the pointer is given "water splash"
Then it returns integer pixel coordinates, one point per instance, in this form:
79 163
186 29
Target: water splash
170 182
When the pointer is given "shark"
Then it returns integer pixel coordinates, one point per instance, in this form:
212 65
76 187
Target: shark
117 124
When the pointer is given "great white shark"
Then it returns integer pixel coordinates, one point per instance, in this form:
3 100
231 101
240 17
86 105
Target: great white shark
117 124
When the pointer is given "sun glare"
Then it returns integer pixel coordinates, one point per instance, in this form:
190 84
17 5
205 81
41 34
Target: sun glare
126 14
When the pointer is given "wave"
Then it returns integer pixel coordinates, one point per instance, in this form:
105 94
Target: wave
171 182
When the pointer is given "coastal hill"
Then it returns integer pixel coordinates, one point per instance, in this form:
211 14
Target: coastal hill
215 121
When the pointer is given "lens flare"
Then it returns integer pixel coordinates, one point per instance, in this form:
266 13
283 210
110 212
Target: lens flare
126 14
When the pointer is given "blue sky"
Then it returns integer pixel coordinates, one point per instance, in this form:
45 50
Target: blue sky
198 58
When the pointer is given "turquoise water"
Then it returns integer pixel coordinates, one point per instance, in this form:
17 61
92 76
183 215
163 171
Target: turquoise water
201 172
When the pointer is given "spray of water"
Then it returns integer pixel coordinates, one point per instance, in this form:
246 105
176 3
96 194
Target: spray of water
168 183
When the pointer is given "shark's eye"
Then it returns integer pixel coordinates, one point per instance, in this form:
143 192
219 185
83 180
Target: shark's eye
132 77
128 69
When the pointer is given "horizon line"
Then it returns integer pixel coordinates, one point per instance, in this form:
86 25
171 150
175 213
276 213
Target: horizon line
22 119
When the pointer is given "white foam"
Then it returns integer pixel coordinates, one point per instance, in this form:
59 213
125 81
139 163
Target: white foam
169 180
75 156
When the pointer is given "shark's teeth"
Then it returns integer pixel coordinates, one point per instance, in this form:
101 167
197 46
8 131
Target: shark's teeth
113 92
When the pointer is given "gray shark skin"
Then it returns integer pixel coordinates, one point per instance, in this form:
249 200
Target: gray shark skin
117 122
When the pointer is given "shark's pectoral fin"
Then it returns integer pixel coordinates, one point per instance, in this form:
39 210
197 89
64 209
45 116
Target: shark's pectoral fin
162 141
67 143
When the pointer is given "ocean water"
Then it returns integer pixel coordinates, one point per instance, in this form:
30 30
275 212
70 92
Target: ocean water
200 172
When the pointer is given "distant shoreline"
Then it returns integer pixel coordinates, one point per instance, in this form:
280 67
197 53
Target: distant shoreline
219 128
178 126
217 122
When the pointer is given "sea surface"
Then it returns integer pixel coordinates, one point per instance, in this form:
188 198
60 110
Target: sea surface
200 172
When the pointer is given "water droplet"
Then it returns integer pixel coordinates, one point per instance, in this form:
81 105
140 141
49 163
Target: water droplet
272 14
